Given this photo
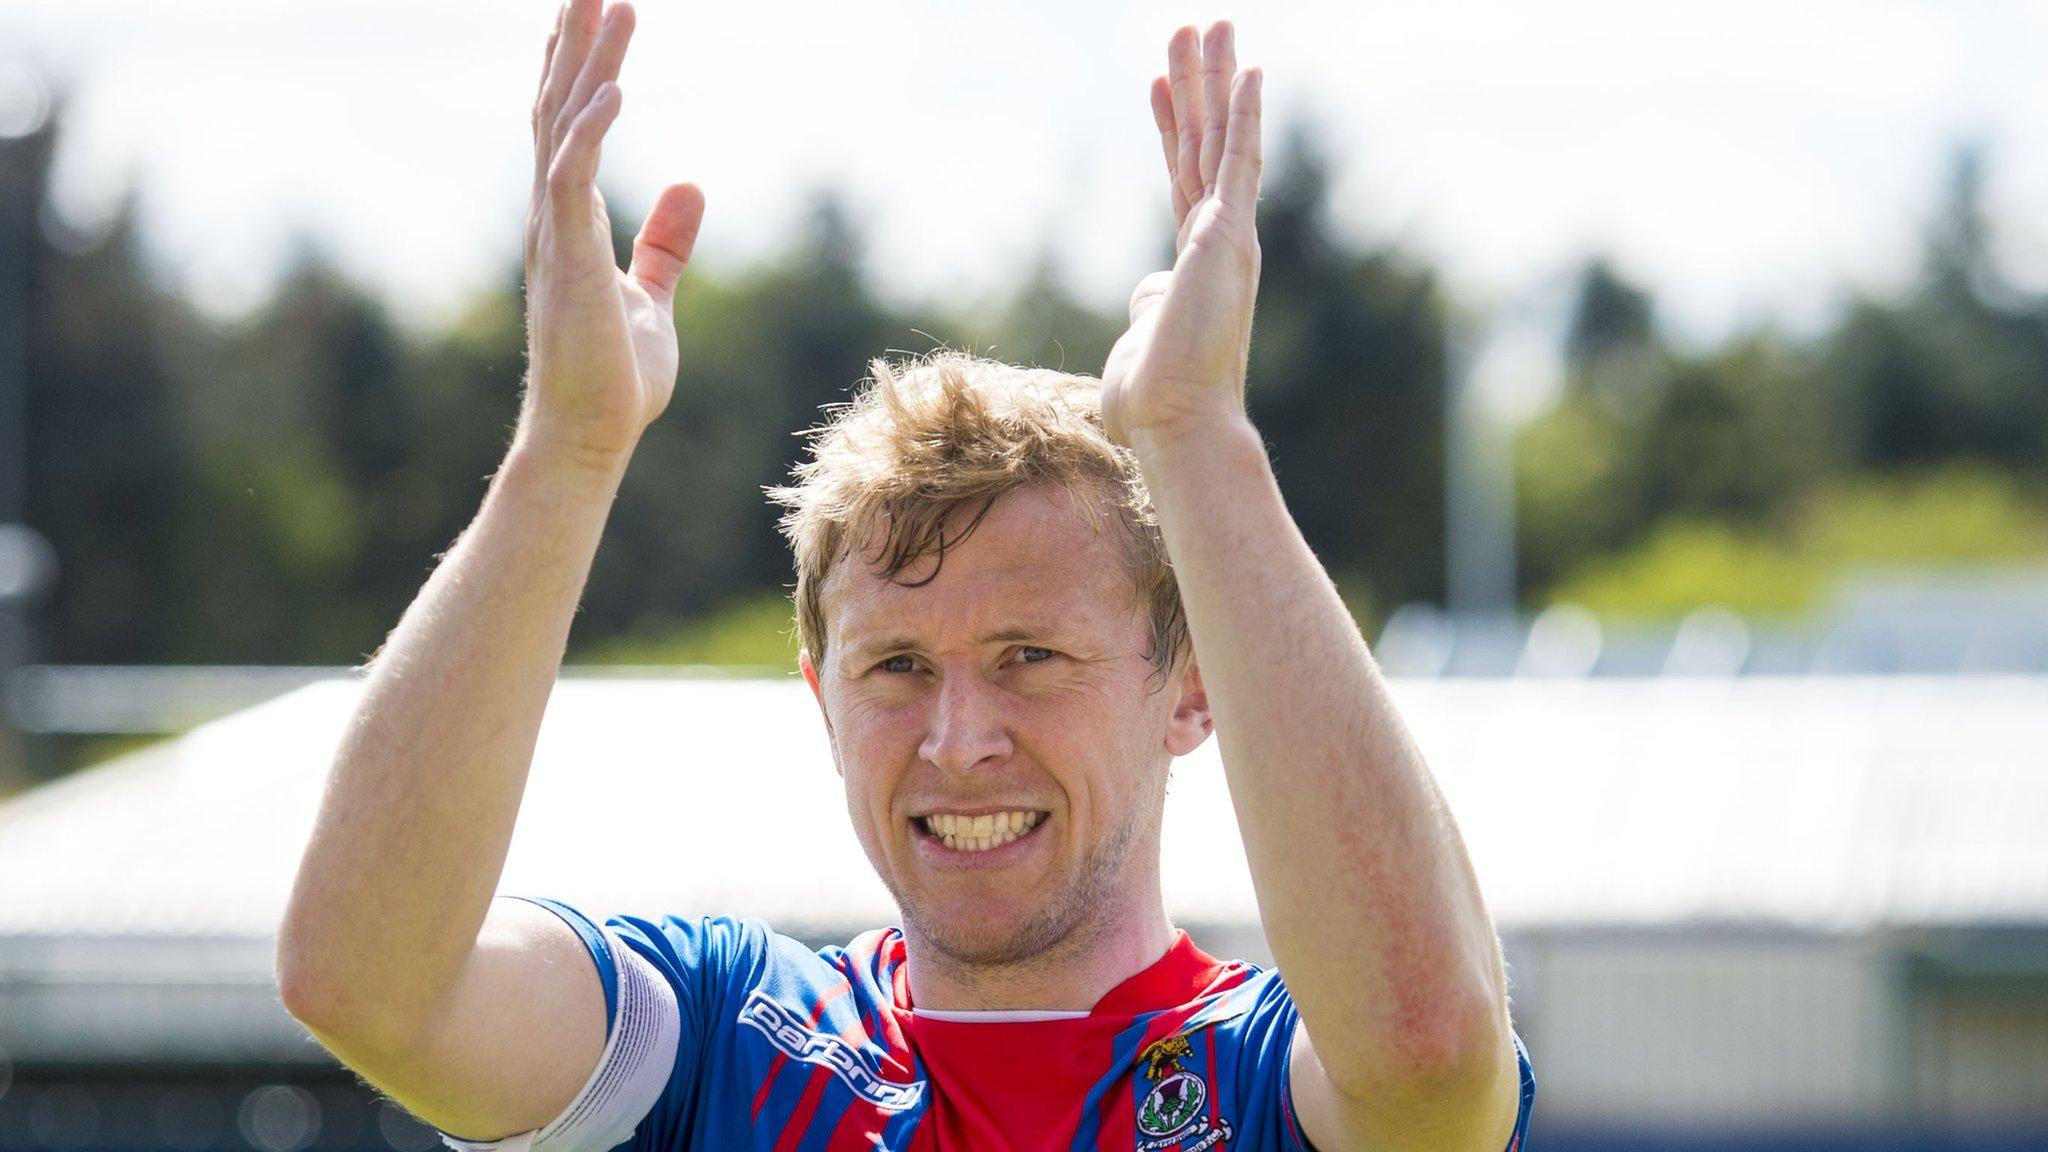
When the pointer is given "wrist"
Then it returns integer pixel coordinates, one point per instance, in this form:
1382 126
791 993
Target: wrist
1196 440
567 463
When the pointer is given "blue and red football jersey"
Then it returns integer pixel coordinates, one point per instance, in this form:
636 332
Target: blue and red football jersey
782 1048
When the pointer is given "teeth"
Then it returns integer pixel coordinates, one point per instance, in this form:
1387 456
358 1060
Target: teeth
979 833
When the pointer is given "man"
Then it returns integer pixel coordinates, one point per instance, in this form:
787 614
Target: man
1006 664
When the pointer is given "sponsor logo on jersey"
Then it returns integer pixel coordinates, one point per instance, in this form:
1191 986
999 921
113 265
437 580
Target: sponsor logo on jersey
791 1034
1172 1114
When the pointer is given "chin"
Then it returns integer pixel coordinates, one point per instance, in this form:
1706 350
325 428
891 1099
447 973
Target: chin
985 938
985 929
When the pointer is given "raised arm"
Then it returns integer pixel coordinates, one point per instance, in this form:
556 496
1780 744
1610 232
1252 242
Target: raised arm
485 1019
1364 888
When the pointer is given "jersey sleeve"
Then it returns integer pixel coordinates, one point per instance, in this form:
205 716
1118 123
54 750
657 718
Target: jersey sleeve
1265 1075
664 980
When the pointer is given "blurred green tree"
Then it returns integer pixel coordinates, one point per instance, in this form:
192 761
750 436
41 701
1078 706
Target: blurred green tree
107 478
761 353
276 488
1646 434
1347 384
298 414
1957 369
1044 326
1662 474
1610 316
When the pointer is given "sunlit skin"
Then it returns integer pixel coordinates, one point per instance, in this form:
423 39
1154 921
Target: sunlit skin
1018 678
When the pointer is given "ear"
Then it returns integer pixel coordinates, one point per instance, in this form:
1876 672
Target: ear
810 671
1190 723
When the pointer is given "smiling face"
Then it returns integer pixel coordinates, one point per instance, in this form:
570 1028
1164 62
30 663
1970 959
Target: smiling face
1003 735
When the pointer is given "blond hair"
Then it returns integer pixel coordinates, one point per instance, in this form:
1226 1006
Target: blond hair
930 436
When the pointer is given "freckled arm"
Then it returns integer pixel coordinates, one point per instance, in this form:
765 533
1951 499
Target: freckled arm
1364 887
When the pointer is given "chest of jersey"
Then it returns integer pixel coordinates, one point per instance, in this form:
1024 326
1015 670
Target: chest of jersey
862 1078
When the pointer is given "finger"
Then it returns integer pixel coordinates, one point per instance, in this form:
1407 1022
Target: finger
1184 77
1237 179
547 59
572 177
607 53
1219 67
1162 115
579 28
540 120
666 239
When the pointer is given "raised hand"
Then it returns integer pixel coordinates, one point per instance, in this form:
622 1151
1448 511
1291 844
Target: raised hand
1182 363
601 343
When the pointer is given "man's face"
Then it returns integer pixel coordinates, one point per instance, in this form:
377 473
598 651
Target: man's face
1002 734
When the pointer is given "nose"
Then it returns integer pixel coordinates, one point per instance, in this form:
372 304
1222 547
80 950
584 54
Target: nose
967 726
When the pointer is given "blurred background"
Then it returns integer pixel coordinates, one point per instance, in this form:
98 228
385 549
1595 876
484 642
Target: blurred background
1666 387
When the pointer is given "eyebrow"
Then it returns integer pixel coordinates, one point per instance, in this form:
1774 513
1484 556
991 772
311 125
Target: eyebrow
1009 635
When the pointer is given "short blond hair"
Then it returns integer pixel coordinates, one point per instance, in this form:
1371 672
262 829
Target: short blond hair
930 436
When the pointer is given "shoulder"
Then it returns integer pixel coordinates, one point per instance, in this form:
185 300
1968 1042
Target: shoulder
701 958
691 943
1247 1002
732 957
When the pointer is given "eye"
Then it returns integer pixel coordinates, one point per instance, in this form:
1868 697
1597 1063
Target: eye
1027 654
901 662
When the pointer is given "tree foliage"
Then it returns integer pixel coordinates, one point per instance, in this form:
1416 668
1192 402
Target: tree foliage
277 488
1666 479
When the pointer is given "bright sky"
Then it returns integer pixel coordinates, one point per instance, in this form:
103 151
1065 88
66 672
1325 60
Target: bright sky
1746 158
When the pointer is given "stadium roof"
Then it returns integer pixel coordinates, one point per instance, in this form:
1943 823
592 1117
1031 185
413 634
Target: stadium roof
1830 803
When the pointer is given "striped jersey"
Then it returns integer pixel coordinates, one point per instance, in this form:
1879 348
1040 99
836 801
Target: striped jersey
722 1034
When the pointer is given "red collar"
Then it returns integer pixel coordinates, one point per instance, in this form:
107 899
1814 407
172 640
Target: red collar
1179 977
1184 974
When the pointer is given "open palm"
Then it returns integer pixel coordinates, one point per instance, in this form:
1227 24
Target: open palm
602 342
1182 362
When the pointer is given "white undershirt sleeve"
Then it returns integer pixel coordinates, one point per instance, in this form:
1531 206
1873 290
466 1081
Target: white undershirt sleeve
638 1058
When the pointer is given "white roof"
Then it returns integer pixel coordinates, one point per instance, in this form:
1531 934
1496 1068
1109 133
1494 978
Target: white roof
1830 804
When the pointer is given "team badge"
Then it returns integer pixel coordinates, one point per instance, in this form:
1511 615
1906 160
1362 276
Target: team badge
1173 1115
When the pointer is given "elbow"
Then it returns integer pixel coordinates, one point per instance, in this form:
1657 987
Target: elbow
1449 1049
1469 1031
306 992
302 985
329 1006
1469 1054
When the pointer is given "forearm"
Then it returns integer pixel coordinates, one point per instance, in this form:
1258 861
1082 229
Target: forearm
1365 891
426 783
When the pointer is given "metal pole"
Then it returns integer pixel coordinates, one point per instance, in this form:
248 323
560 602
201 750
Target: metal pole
26 564
1479 490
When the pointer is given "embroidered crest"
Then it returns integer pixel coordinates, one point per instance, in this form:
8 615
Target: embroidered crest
1172 1104
1164 1056
1174 1113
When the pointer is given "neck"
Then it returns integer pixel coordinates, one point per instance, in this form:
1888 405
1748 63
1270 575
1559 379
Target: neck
1100 953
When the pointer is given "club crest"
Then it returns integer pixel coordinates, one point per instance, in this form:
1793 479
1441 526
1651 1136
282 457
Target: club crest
1174 1114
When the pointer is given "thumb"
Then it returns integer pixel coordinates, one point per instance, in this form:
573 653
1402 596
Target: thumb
666 239
1150 291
